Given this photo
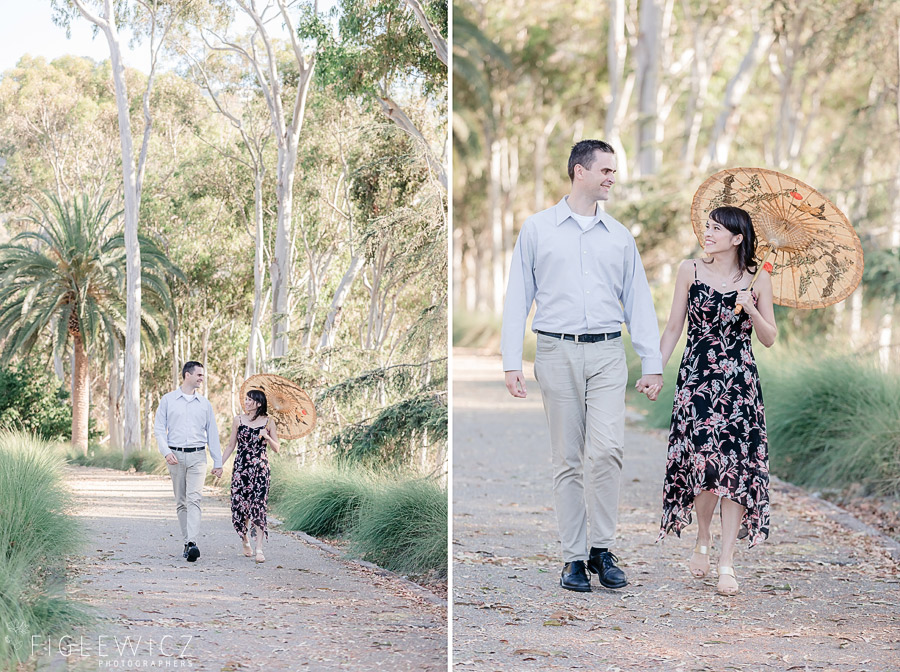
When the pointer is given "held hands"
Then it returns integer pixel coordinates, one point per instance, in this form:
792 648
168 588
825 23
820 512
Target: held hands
651 385
515 383
217 472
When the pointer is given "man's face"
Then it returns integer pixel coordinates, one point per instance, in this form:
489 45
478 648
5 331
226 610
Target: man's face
194 379
601 176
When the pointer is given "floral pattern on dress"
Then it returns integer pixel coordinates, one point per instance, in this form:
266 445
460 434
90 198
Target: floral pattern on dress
250 482
717 437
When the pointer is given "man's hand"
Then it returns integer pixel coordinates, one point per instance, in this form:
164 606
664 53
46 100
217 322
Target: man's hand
651 385
171 459
515 383
217 472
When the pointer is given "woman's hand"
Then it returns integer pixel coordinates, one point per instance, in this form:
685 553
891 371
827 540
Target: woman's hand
745 299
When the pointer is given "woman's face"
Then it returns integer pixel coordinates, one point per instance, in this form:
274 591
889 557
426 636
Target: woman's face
250 405
719 239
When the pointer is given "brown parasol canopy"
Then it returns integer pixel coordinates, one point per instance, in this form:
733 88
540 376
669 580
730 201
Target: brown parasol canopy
816 256
289 405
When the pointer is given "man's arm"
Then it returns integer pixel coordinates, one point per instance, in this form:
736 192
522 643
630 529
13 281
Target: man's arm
160 430
520 291
640 316
212 439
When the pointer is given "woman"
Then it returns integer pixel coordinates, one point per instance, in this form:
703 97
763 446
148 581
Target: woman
250 432
717 440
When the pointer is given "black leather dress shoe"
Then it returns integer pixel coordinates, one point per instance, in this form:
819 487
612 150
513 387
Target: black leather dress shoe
604 566
574 577
192 552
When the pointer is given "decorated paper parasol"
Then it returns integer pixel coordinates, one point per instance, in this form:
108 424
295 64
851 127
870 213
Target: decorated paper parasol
289 405
807 244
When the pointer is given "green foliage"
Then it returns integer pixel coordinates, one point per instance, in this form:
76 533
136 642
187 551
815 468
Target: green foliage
388 437
378 42
393 519
834 421
882 272
68 273
321 501
33 400
37 535
403 526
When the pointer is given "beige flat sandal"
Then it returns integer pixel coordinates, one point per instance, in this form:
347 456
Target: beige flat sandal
260 557
696 572
248 549
728 591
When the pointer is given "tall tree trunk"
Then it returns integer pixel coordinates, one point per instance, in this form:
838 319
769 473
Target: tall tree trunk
107 23
114 392
337 302
616 53
258 275
648 85
729 115
496 219
80 395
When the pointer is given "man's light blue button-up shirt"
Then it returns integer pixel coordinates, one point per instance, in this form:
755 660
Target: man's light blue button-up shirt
583 280
187 421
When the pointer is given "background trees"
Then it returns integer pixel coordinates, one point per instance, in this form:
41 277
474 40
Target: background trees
681 89
362 246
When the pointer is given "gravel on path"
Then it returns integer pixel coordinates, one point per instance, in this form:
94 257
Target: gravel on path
303 609
817 595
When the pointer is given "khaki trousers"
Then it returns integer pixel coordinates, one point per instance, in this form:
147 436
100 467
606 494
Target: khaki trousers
188 477
583 389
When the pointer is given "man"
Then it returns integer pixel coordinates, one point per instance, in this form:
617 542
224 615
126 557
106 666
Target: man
582 269
185 425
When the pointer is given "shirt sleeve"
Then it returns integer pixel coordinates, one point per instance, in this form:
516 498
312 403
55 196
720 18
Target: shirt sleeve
159 426
212 436
640 315
520 291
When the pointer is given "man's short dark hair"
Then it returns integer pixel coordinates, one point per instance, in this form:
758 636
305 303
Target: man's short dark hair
583 154
189 368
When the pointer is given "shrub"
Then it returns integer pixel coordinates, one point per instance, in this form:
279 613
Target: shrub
33 400
835 421
37 535
320 501
402 526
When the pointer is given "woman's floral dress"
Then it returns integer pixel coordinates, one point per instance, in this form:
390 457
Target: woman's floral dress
717 440
250 481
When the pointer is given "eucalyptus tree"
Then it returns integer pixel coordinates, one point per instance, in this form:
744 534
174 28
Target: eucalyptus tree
284 83
157 17
63 280
381 50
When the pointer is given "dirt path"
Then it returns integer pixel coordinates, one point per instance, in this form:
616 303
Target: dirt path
816 596
303 609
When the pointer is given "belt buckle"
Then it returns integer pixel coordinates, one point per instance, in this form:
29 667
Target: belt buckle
577 338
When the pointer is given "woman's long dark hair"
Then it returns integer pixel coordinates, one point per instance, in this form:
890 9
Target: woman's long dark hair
259 398
737 221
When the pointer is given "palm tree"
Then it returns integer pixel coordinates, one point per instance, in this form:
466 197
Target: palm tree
66 279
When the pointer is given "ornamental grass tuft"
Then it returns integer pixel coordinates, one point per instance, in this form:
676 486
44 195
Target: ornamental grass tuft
38 534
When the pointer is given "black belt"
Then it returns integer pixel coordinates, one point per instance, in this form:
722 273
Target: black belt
187 450
583 338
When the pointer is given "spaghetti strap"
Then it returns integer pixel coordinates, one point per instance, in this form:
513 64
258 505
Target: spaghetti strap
695 269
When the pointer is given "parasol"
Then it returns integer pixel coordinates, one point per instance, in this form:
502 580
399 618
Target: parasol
816 257
289 405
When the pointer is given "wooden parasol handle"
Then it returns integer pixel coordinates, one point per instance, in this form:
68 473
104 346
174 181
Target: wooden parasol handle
769 250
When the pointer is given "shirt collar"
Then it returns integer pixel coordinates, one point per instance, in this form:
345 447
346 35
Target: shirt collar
564 212
189 397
